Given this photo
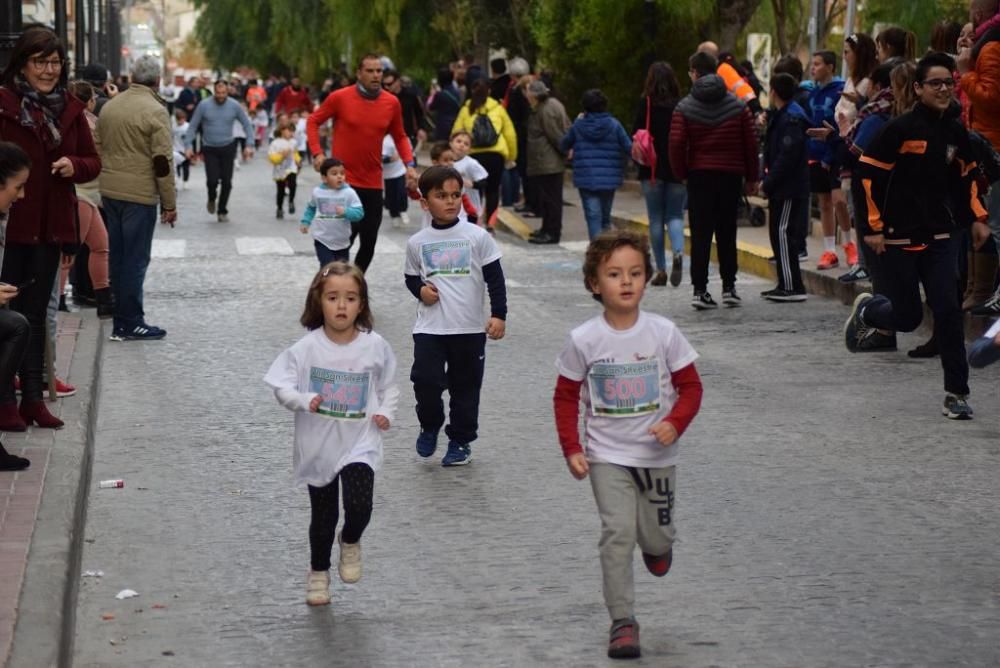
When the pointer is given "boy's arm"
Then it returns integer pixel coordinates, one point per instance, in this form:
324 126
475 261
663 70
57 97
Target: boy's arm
354 211
566 405
689 392
309 213
496 285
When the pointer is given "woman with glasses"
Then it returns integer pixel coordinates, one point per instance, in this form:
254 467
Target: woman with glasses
40 116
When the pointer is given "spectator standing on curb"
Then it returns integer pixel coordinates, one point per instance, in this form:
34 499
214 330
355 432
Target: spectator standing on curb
445 104
137 147
362 116
546 128
713 146
48 123
599 145
414 118
215 119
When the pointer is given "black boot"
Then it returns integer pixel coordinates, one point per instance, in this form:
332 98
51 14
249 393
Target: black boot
63 306
9 462
105 303
925 350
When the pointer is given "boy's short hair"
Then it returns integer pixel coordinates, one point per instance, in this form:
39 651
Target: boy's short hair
606 243
789 64
829 57
936 59
459 133
594 101
703 63
329 164
882 75
438 149
784 86
435 177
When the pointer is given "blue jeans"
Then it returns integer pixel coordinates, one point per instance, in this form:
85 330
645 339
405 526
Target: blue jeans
665 208
510 187
130 239
597 209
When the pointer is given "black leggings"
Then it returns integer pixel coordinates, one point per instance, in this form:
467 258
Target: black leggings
23 263
367 227
14 334
184 170
289 182
359 488
493 164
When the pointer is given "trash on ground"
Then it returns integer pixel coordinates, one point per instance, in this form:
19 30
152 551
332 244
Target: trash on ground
93 574
159 606
168 652
107 616
111 484
126 593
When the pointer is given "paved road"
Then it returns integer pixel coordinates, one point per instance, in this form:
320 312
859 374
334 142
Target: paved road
829 515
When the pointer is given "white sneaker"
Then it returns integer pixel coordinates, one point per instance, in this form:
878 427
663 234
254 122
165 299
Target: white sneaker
350 561
396 221
318 588
405 217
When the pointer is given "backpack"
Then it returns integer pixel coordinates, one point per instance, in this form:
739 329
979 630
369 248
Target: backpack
484 135
643 151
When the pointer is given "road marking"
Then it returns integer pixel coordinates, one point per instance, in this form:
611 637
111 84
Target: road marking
511 283
575 246
263 246
169 248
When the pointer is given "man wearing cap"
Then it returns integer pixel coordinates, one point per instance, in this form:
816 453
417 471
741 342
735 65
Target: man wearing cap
547 125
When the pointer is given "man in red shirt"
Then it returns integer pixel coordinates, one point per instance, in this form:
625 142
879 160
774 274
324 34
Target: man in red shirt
362 116
293 98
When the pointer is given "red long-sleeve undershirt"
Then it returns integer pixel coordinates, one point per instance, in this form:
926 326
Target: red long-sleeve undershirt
566 402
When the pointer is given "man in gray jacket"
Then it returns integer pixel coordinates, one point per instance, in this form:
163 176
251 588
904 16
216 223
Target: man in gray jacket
546 127
215 117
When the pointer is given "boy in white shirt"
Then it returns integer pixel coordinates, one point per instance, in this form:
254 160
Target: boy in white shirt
640 391
450 266
179 129
394 183
331 212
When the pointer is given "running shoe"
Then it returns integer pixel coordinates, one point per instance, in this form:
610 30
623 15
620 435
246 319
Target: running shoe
702 301
427 443
730 298
782 295
956 407
318 588
658 565
851 253
459 454
624 639
855 328
828 260
991 307
210 206
857 273
141 332
876 342
350 561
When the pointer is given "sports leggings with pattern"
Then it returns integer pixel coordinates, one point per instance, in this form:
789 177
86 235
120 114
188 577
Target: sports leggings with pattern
359 488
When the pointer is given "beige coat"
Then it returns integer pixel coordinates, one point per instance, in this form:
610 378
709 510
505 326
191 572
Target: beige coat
137 149
547 126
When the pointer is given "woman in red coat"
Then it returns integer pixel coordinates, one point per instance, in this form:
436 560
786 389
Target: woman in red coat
37 114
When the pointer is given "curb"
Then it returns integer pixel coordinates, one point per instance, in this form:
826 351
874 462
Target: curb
47 608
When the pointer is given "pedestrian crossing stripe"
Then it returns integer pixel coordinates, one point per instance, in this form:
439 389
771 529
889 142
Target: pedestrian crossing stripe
263 246
169 248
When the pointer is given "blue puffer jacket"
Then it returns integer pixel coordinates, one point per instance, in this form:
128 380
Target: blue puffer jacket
600 146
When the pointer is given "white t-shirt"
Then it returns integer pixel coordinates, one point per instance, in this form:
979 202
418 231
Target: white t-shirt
452 259
626 388
327 227
287 165
301 141
178 131
356 381
238 131
470 169
394 168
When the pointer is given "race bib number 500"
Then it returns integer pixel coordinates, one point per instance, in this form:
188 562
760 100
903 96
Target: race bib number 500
625 390
343 394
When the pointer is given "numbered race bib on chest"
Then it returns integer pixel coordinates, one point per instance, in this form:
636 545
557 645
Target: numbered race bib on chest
624 390
447 258
327 208
343 394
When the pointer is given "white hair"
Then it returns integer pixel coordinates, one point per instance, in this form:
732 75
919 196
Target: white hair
146 71
518 67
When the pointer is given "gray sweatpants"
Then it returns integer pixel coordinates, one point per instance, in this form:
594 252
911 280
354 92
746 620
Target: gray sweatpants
636 506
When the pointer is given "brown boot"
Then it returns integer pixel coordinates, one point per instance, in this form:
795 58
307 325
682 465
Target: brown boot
986 273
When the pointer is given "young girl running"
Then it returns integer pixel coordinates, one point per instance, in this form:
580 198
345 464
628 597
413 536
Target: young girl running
282 154
642 393
339 381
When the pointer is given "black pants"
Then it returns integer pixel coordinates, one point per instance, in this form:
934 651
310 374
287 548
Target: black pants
22 263
367 227
493 163
713 204
784 217
14 335
359 488
548 192
219 167
326 256
395 196
453 362
289 182
898 306
184 170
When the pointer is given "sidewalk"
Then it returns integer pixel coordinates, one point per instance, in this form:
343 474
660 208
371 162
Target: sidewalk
41 509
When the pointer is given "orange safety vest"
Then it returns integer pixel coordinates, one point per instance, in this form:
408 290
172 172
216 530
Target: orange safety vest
735 84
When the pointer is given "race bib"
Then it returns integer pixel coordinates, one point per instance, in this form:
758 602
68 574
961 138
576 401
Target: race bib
447 258
327 208
343 394
625 390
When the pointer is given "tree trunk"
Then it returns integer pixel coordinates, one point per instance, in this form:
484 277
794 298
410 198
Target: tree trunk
731 16
781 30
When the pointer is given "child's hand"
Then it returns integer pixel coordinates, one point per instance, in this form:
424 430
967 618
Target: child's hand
429 294
340 210
495 328
304 229
381 421
314 404
578 465
665 433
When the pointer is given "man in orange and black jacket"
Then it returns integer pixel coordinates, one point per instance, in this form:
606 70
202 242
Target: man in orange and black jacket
922 190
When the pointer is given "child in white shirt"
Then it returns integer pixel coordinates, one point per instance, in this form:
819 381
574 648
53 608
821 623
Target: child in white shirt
330 213
394 182
179 128
473 173
285 158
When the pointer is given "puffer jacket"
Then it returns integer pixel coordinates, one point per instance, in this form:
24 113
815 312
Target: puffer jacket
982 86
137 149
506 144
599 145
47 214
547 125
786 160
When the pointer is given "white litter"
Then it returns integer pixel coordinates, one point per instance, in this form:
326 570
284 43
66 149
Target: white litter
93 574
126 593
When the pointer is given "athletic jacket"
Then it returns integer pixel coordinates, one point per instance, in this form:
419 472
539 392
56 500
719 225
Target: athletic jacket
785 155
920 178
822 105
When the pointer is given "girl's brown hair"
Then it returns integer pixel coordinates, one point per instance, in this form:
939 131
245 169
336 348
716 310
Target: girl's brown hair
661 85
899 42
865 56
902 77
82 90
312 314
281 127
606 243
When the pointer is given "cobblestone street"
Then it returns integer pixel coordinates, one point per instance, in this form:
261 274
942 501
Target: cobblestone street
828 514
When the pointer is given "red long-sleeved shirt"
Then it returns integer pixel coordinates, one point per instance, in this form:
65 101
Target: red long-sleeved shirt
291 100
566 403
359 126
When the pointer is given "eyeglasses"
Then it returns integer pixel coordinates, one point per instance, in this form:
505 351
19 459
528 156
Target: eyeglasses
939 84
46 63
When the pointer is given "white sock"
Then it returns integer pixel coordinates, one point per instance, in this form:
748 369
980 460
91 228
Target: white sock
848 236
830 244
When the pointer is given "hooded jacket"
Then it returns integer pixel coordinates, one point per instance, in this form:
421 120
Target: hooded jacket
786 160
982 86
822 109
713 131
506 144
919 178
599 145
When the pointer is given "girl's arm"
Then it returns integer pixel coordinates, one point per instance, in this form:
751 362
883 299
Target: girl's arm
387 392
294 400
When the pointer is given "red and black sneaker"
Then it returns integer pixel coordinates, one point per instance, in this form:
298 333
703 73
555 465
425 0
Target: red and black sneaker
658 566
624 642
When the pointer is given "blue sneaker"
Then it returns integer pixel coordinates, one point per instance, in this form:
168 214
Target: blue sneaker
141 332
427 443
459 454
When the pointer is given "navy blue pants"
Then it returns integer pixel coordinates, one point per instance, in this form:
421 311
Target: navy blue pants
326 256
453 362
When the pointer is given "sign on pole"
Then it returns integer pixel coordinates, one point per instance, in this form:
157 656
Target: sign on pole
759 54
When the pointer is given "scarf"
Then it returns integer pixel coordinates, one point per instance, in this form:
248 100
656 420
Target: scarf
48 106
368 96
880 104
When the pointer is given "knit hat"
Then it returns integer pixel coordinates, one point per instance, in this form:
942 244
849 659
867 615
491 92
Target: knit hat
538 88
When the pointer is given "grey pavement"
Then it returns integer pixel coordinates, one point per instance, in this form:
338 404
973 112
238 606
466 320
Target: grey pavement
828 514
